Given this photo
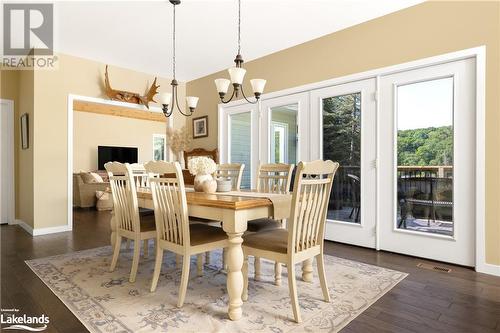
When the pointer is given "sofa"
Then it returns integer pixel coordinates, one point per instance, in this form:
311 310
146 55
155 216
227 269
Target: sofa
84 192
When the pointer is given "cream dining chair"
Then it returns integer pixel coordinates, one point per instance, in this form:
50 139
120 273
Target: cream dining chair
141 181
129 224
233 171
173 230
271 178
306 227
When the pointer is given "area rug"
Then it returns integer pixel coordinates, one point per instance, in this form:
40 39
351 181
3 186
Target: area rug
108 302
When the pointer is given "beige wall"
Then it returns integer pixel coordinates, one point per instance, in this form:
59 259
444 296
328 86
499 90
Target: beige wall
74 76
91 130
18 86
425 30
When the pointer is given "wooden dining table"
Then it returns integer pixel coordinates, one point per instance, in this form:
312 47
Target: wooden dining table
234 212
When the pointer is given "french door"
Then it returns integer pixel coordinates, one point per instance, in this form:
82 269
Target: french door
405 142
426 169
240 143
344 119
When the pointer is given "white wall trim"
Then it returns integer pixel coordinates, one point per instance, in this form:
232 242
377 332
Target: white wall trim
40 231
23 225
51 230
9 187
71 99
479 53
488 269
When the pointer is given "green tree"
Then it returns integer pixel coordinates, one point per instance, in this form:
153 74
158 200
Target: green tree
342 129
426 146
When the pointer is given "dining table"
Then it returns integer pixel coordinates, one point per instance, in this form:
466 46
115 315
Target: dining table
234 210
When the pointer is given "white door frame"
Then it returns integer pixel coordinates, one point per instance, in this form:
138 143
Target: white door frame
7 182
479 54
71 99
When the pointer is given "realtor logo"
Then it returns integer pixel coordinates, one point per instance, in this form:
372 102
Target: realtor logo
16 321
26 27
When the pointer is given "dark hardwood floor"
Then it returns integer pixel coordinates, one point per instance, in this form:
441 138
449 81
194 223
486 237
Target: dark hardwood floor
426 301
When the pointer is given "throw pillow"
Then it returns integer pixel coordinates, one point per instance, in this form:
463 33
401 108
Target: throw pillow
97 177
87 178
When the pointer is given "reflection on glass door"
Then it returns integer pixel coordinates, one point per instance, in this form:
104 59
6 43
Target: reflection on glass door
241 144
283 136
342 143
425 156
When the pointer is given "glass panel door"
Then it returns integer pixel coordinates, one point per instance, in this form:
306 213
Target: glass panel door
241 144
239 139
342 143
284 134
286 121
346 118
427 158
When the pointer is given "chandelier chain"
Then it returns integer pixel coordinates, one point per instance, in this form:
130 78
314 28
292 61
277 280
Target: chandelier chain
239 26
173 46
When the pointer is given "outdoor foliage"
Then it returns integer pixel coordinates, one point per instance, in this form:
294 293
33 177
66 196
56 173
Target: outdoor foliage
342 129
342 137
426 146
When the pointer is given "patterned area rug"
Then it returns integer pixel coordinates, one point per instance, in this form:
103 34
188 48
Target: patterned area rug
107 302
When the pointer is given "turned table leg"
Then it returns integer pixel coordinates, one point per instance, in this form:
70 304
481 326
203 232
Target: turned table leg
307 270
234 275
235 224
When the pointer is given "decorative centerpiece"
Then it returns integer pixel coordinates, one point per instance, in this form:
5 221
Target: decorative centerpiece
179 141
203 168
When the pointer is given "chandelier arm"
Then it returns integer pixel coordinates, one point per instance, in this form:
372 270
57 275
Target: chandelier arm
245 97
178 107
230 98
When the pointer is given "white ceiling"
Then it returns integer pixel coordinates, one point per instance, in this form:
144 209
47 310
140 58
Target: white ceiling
137 34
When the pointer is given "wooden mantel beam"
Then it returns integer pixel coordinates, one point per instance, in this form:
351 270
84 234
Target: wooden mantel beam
117 110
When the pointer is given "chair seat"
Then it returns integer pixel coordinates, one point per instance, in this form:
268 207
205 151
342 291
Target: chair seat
271 240
147 223
203 233
263 225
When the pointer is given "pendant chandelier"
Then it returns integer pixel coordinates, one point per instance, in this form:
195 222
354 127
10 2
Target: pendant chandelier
171 99
237 73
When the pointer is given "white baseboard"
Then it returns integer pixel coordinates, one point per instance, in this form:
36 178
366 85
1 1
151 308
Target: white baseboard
488 269
51 230
42 231
23 225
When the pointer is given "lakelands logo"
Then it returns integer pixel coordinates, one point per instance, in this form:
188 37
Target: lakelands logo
16 321
28 36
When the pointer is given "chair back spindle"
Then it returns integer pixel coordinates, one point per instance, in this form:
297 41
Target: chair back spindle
233 171
274 178
169 200
123 190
